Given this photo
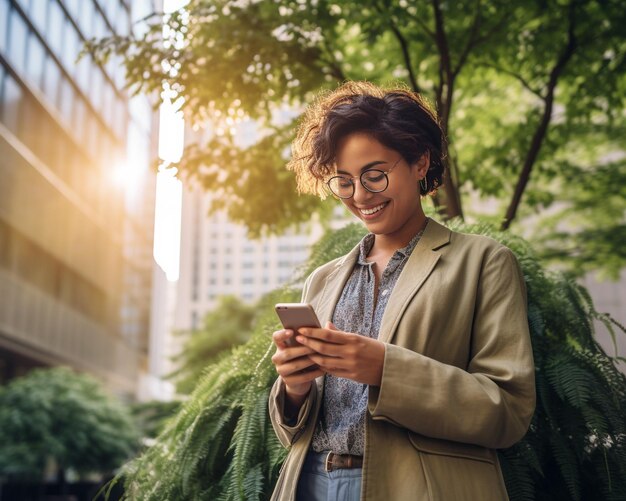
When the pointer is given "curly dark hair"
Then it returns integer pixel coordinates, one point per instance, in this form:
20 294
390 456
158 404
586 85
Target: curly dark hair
396 117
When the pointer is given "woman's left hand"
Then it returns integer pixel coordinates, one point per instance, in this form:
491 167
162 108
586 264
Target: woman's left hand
344 354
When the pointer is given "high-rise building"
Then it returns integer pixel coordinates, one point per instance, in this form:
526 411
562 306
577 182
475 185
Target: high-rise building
75 248
217 258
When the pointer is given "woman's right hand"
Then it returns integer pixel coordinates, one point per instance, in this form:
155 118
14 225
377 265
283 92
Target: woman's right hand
294 366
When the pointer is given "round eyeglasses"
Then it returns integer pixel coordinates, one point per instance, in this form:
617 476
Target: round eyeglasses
373 180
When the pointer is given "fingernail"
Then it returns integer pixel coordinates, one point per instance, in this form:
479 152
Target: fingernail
301 339
303 331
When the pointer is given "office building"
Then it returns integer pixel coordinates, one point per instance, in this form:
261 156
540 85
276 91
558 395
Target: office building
217 258
75 248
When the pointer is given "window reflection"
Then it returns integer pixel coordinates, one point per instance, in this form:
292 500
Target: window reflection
71 48
67 101
11 104
4 27
17 43
56 25
73 7
51 82
86 17
36 60
83 73
96 89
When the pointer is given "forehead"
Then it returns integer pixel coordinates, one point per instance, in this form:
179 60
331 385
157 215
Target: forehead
358 149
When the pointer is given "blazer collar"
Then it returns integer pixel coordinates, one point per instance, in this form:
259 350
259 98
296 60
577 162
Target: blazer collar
417 269
420 264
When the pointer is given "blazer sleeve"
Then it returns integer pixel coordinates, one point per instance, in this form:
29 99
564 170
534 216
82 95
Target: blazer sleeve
288 433
492 402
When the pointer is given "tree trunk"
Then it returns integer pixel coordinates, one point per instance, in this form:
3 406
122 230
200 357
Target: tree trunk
542 129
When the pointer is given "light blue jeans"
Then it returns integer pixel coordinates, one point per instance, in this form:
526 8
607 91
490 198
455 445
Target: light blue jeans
316 484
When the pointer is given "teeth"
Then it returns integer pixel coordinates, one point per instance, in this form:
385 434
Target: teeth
372 210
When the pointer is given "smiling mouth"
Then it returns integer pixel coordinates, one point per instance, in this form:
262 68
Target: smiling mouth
373 210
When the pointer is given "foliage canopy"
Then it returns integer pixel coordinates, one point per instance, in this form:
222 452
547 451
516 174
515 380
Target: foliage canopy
531 95
67 417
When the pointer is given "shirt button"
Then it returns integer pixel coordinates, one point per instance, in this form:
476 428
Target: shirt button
385 292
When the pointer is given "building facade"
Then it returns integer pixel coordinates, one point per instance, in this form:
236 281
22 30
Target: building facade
75 247
217 258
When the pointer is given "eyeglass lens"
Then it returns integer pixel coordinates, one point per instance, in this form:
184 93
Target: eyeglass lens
373 180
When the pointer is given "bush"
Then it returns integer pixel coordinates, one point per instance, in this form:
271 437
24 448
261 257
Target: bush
56 414
221 444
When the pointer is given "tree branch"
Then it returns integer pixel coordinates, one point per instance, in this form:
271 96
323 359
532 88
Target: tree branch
335 69
474 40
422 25
542 128
517 76
404 46
471 39
444 105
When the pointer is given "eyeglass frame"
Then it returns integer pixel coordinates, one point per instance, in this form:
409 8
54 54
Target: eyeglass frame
360 176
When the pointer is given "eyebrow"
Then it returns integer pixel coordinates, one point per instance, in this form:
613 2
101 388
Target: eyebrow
365 167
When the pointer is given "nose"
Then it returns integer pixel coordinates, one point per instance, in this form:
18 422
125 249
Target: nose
360 193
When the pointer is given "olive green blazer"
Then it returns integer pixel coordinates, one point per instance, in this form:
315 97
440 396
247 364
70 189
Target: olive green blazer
458 377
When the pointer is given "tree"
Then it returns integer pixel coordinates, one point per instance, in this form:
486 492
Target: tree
229 324
221 444
531 97
56 414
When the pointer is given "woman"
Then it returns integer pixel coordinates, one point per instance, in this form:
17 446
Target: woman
423 366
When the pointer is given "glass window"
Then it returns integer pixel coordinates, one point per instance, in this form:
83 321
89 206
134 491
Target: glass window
17 42
36 60
52 77
73 7
11 103
111 11
4 28
56 23
25 4
72 47
83 73
123 22
100 29
28 130
2 75
39 16
109 99
66 100
44 135
95 93
86 18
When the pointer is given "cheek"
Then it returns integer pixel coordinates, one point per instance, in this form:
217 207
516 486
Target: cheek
407 195
349 207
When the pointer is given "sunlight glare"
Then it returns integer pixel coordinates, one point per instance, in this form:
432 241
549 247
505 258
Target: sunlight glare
169 192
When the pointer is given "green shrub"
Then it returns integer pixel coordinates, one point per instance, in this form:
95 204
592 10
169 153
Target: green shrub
64 416
221 445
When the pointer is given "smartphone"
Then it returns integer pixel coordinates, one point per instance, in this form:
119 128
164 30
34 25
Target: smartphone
296 315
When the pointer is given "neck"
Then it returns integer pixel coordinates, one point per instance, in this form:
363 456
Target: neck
391 242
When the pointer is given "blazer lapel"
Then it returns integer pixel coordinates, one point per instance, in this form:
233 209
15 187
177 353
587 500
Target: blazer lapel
333 287
421 263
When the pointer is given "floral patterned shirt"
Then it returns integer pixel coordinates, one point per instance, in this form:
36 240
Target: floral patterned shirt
341 427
